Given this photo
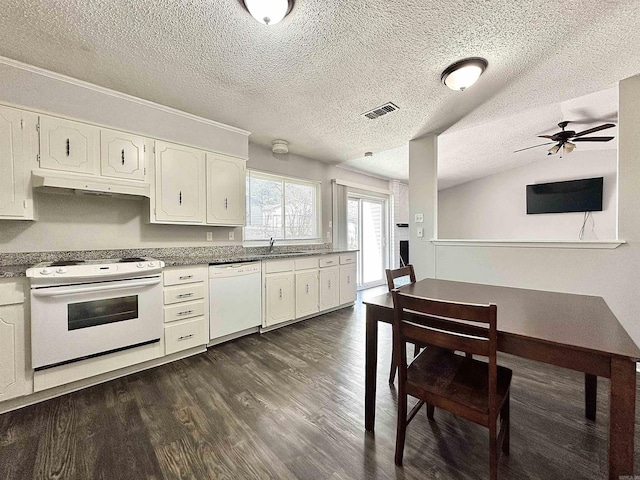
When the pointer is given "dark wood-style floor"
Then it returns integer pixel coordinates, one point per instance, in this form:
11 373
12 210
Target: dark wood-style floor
290 405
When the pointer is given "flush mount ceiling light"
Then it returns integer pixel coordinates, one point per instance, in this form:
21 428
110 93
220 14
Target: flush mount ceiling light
461 75
280 146
268 12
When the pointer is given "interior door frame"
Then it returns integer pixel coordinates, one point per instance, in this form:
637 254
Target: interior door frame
385 202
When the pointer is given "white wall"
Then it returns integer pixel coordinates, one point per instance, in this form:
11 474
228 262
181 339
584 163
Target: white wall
612 274
495 207
296 166
400 214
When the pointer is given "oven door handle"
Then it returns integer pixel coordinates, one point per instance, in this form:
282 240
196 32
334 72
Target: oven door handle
72 291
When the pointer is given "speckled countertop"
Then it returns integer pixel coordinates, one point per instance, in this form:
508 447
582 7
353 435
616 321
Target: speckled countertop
15 265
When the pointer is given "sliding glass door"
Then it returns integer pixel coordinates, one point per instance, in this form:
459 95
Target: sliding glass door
367 231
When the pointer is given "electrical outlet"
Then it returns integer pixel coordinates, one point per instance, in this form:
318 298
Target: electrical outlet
209 236
330 224
328 235
232 235
419 217
420 232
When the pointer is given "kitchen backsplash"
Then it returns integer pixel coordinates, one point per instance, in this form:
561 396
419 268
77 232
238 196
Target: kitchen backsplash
222 251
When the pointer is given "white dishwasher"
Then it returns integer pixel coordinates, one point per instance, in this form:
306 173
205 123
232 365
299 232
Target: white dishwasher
235 297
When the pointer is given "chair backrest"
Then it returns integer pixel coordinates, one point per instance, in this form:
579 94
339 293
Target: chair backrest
458 326
398 273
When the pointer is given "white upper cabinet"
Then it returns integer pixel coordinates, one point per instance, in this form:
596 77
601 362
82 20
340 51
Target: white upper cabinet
18 153
226 184
122 155
180 184
69 146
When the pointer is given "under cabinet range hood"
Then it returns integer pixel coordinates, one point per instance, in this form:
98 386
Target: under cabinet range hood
74 184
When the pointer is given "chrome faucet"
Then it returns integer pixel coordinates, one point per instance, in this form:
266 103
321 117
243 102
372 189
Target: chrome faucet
271 242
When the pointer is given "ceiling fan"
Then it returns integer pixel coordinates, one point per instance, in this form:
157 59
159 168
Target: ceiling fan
564 140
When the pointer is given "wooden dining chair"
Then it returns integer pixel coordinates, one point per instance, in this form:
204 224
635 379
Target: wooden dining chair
392 275
469 388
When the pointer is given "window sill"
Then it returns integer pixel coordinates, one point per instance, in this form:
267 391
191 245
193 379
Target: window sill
282 243
584 244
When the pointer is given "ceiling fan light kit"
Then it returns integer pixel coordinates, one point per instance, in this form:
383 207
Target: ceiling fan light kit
464 73
268 12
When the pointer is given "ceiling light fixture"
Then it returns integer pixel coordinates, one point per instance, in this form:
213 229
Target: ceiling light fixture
461 75
268 12
280 146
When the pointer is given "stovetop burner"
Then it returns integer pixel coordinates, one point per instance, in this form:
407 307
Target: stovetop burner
66 263
131 260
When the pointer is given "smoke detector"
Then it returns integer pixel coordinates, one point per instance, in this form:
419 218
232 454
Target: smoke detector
280 146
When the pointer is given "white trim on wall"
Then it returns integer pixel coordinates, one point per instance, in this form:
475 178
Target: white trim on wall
361 186
599 244
113 93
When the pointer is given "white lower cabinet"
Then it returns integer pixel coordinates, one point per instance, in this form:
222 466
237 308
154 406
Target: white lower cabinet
348 283
186 311
279 298
329 288
307 293
16 378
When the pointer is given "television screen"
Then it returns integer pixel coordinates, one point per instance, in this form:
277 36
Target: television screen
583 195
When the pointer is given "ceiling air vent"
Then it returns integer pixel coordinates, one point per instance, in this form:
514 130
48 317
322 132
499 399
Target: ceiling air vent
380 111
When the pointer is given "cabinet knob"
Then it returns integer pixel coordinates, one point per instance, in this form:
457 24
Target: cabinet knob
123 156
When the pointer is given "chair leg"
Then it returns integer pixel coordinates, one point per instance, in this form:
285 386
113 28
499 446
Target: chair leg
416 350
402 426
430 410
493 452
394 366
505 415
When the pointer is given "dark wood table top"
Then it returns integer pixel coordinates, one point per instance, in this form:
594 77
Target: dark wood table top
578 321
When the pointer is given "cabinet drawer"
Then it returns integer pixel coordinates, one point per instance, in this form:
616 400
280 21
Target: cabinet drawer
306 263
180 311
347 258
276 266
329 261
182 275
194 291
183 335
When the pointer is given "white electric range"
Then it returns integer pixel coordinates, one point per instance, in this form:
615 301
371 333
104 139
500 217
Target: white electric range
85 308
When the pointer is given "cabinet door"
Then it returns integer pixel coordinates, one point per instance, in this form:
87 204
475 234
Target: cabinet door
279 298
180 184
13 174
348 286
329 288
226 185
122 155
306 293
13 373
68 146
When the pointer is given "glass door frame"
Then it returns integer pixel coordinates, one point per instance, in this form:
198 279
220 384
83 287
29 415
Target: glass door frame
384 201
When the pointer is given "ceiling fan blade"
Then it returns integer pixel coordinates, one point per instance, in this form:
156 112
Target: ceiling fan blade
546 136
592 139
594 129
548 143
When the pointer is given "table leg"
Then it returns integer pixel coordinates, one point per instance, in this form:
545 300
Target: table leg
622 417
371 367
590 395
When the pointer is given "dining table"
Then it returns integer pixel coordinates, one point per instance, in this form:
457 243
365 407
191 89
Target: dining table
574 331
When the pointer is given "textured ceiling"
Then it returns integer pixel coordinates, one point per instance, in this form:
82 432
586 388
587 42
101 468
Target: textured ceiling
308 78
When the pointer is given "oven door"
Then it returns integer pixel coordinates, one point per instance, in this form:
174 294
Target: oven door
73 322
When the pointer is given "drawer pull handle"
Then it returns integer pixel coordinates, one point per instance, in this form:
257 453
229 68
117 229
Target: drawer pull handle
280 293
186 312
186 277
185 295
186 337
123 156
307 288
329 283
180 197
68 147
226 203
329 262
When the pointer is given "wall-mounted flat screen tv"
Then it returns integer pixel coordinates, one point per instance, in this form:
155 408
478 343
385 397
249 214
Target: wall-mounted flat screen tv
583 195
